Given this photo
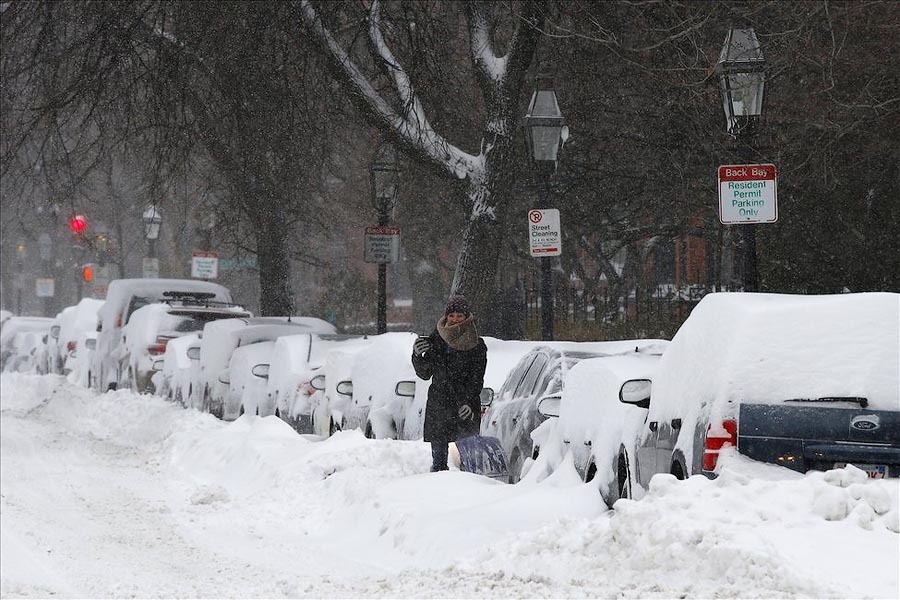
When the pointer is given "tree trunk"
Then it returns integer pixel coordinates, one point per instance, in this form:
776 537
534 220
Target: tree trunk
275 295
476 265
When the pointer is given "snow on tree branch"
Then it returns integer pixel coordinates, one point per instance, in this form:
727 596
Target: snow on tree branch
410 124
480 31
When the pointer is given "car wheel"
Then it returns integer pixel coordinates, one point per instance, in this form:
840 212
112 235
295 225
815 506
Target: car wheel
370 433
333 428
591 472
677 470
515 466
623 478
241 414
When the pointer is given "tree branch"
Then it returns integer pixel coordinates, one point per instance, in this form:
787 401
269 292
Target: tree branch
409 126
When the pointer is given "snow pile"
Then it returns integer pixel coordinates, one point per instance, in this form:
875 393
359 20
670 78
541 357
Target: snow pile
123 495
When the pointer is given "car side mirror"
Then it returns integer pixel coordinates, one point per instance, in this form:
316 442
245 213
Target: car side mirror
344 388
486 396
193 353
261 371
90 343
548 406
54 332
317 382
223 377
636 392
405 389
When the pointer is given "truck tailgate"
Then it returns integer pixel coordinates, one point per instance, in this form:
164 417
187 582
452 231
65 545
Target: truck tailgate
816 436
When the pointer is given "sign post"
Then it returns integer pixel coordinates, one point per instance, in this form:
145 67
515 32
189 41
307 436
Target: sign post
748 194
204 265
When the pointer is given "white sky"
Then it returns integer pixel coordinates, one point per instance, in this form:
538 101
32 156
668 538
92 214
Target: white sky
124 495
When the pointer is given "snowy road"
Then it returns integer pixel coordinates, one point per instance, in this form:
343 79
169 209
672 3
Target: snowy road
122 495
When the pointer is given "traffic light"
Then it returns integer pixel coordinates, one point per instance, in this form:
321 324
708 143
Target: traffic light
78 224
87 273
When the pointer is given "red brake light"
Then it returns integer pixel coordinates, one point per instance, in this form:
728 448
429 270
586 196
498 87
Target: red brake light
716 440
156 349
70 347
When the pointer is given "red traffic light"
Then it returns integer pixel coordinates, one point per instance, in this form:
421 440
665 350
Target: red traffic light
87 273
78 224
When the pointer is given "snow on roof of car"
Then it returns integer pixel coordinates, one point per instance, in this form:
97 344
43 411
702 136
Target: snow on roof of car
768 348
16 325
590 399
221 337
82 317
120 291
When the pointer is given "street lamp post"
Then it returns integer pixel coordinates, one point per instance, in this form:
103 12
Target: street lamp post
741 73
544 132
45 248
152 219
385 172
20 274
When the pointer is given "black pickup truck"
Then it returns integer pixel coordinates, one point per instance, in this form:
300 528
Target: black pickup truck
822 433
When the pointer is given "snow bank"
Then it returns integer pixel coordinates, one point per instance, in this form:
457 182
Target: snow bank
152 500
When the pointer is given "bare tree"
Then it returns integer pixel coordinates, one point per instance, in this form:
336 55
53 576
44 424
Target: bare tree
401 113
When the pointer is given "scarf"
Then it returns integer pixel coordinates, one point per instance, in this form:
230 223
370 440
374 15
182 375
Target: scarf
462 336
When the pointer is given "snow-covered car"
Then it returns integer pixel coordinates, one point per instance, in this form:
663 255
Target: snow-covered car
502 357
72 322
79 364
513 415
333 403
123 297
295 360
54 353
248 372
22 342
151 327
376 407
180 368
805 382
593 426
221 338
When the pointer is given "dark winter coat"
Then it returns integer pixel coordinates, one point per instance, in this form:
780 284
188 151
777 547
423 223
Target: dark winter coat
457 377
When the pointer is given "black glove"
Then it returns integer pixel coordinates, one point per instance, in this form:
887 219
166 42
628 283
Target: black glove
421 346
465 412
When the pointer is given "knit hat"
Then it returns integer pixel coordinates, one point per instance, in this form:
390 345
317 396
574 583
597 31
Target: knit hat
457 304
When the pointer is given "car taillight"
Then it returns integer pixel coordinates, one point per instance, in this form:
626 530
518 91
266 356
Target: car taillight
70 347
306 389
716 439
159 347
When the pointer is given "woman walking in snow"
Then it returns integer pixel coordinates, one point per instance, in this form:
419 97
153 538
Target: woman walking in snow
454 358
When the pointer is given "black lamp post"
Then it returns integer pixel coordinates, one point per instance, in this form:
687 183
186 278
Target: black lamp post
385 172
741 72
45 248
544 130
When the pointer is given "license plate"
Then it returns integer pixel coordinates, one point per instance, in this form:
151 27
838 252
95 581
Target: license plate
873 471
